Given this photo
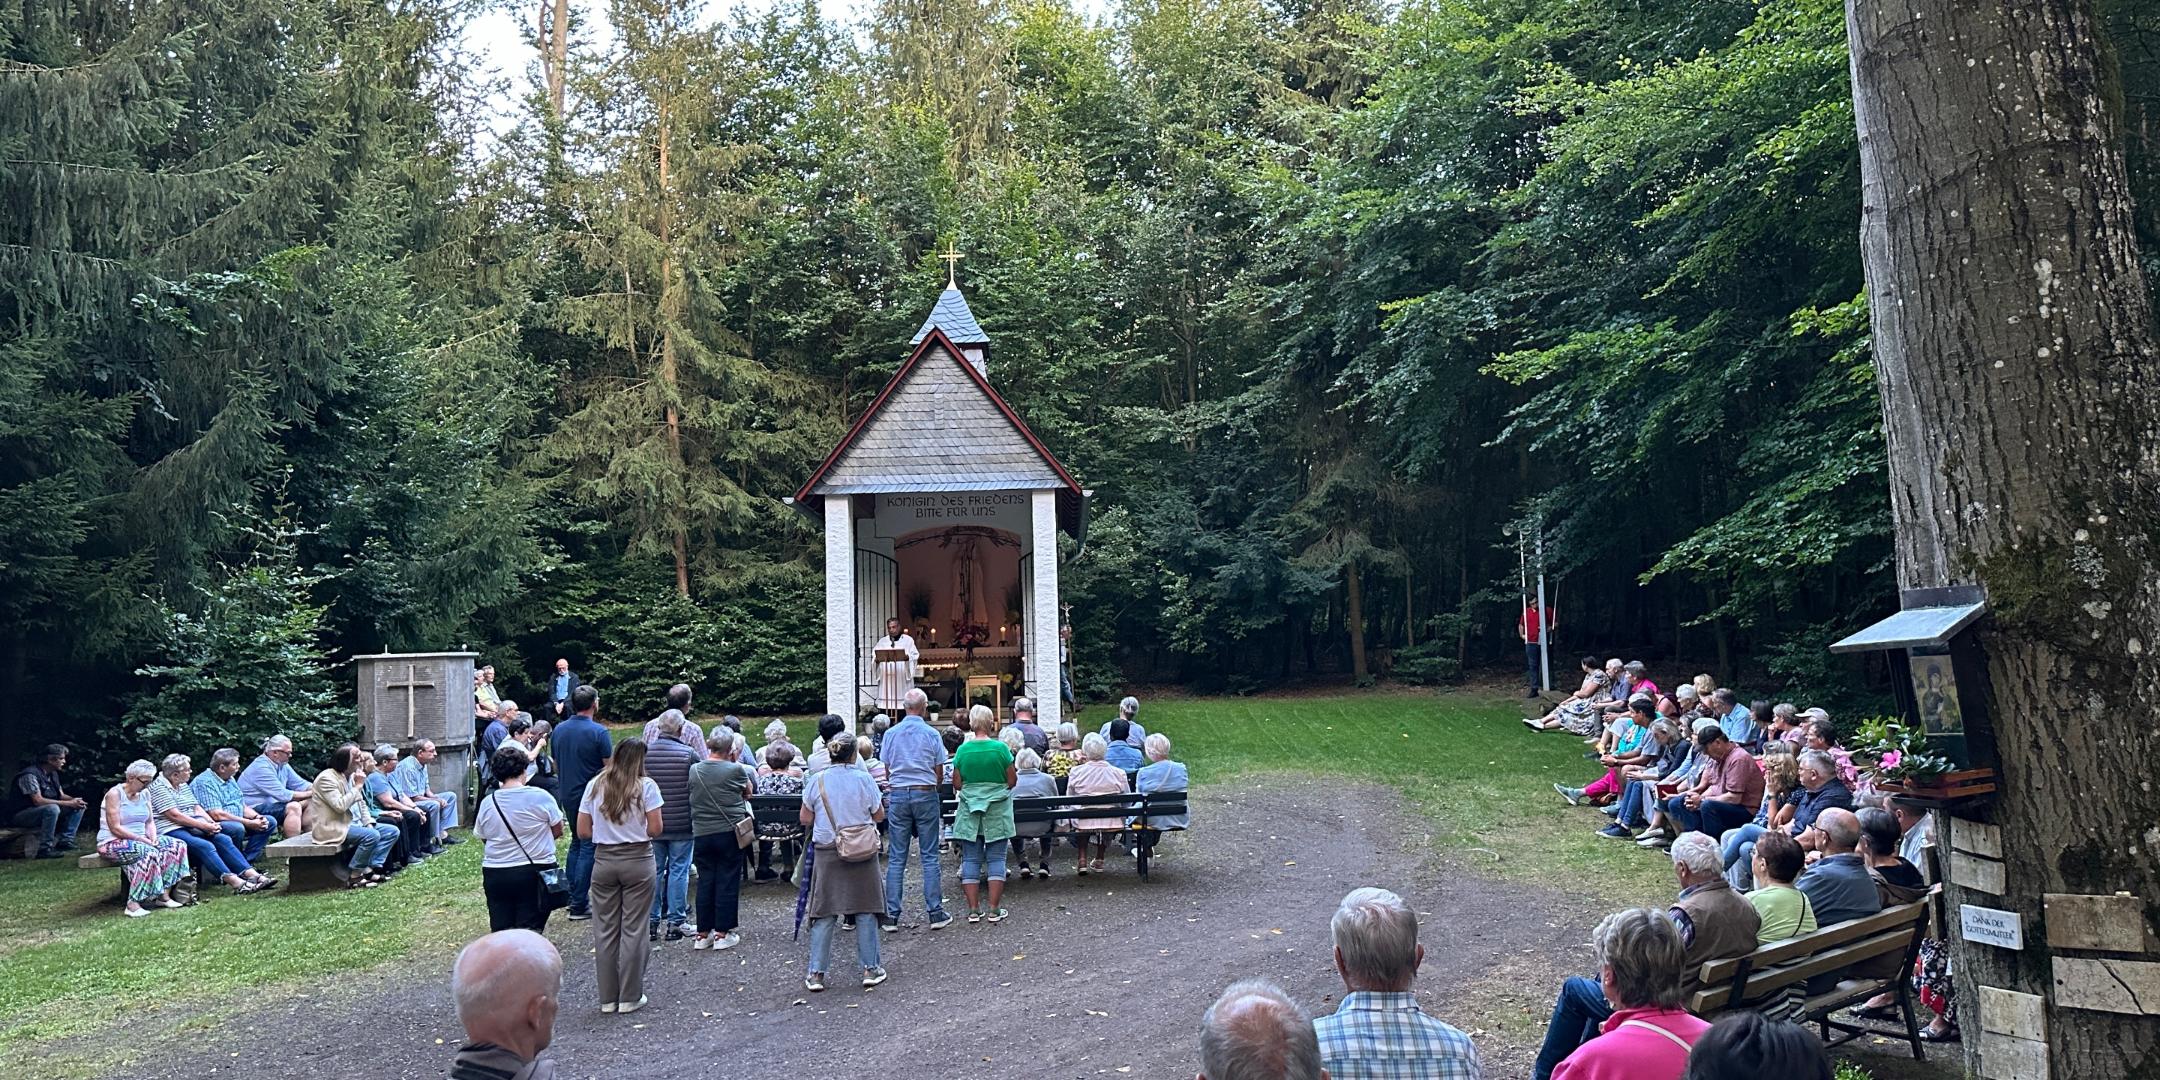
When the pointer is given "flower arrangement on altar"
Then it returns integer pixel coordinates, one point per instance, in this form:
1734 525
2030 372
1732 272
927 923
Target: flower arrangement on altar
969 635
1901 751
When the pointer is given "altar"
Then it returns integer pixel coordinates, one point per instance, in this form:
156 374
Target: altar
942 510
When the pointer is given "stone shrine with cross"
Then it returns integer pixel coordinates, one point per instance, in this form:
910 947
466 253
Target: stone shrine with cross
942 510
406 697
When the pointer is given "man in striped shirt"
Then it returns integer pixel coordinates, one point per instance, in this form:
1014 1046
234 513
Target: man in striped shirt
1379 1032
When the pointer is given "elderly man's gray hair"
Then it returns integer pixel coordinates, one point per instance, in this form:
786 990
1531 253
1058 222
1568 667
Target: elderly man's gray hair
721 743
276 742
224 756
1684 692
385 751
880 723
1647 957
1023 704
1129 706
671 723
1698 853
1255 1032
141 770
1376 933
503 971
1841 830
1820 762
173 763
915 701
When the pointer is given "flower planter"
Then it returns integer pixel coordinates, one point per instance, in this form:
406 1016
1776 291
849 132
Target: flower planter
1943 790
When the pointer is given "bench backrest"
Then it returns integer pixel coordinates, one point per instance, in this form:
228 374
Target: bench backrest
1738 979
780 809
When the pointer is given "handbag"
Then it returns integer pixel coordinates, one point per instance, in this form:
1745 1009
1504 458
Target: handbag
554 884
853 843
746 830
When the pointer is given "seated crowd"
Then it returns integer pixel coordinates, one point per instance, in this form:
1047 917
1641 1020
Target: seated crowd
1773 831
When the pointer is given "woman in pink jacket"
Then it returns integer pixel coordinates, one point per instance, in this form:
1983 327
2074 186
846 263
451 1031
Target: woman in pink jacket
1640 958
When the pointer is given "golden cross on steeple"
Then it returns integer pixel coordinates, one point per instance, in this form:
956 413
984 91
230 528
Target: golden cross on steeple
952 258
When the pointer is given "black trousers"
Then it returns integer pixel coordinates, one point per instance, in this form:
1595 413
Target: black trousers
513 898
414 837
719 862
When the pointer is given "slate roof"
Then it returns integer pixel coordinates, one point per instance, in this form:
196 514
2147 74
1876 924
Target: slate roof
939 426
953 316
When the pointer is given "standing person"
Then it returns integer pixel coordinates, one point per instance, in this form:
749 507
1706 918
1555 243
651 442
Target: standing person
1532 628
915 763
562 687
128 835
272 787
487 701
1065 680
41 804
582 748
1379 1032
619 815
518 825
720 790
897 677
507 987
220 797
678 701
668 762
983 779
835 799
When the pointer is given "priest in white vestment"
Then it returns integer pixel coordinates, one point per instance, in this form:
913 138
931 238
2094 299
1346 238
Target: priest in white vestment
896 678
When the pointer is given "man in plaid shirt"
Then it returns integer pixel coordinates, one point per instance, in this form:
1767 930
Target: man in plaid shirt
1378 1032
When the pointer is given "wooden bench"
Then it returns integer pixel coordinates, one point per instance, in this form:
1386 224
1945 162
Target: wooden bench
1841 950
779 809
309 864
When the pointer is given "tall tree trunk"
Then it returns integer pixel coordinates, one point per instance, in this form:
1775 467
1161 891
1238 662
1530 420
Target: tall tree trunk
2015 348
555 53
1354 616
670 304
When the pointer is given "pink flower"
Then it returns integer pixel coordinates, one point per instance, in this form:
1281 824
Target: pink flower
1890 760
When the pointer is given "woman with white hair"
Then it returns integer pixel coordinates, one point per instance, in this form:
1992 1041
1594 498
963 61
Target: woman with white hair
1128 710
128 835
1094 776
776 733
1029 782
1064 756
1162 774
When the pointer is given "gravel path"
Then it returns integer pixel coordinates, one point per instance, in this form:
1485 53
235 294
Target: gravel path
1091 977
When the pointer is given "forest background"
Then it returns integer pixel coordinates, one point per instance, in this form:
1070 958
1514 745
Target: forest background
1331 302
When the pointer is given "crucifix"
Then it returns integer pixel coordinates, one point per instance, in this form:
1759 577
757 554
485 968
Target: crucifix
952 265
412 686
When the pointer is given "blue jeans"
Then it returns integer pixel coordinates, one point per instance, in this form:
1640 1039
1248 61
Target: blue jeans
1576 1015
671 890
913 815
275 811
1711 818
821 932
215 855
55 825
443 813
251 844
974 853
579 865
371 845
1738 848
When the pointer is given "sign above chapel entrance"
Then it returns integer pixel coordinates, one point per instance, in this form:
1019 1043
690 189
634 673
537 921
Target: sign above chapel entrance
901 514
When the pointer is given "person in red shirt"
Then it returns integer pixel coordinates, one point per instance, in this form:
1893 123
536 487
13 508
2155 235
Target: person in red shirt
1531 627
1648 1036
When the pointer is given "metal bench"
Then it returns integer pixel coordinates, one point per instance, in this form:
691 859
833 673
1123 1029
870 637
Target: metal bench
1858 952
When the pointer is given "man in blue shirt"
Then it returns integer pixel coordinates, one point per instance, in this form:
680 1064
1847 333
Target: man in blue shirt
270 785
1839 886
411 781
219 795
582 748
1737 722
560 687
1121 752
914 759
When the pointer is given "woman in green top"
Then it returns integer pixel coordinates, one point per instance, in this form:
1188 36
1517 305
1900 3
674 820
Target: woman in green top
983 778
720 790
1785 910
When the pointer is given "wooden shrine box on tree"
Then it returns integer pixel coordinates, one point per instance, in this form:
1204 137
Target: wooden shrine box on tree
406 697
1939 674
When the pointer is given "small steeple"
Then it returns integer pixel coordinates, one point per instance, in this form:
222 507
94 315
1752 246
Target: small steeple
952 315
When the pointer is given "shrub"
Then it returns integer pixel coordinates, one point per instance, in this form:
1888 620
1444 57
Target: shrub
1428 664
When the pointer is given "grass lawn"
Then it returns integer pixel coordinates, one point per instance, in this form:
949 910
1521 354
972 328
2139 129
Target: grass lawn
70 965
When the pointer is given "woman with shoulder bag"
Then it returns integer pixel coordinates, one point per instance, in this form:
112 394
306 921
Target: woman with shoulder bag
839 804
720 828
620 814
519 825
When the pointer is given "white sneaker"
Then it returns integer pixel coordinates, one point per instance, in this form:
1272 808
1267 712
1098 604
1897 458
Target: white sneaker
609 1006
701 943
873 976
631 1006
726 941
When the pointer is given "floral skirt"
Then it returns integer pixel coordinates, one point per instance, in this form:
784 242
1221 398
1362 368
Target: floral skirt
1580 717
150 868
1931 976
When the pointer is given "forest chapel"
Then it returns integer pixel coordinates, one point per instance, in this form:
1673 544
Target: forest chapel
942 512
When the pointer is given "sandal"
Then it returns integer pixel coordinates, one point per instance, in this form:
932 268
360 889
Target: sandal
974 916
1876 1012
1949 1034
1098 866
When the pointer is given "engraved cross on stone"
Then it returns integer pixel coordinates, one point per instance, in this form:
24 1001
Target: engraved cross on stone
412 686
